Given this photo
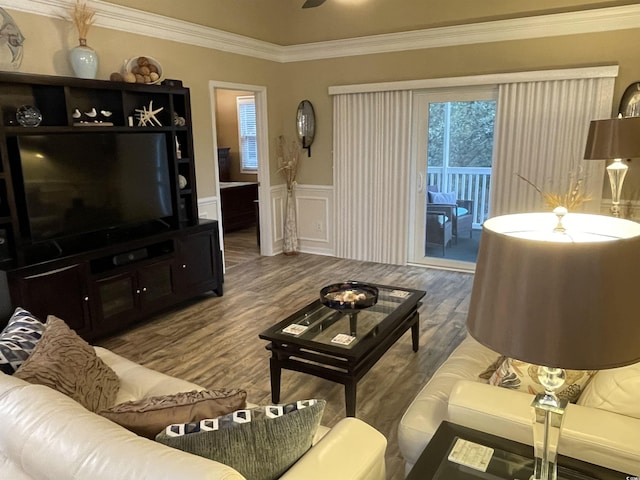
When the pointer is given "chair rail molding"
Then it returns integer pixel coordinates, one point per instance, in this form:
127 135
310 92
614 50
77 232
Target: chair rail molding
127 19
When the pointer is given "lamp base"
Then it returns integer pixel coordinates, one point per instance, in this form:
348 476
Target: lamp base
616 171
615 210
548 413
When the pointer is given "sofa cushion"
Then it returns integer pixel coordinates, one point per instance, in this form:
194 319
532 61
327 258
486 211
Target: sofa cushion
518 375
615 390
448 198
18 339
65 362
147 417
261 443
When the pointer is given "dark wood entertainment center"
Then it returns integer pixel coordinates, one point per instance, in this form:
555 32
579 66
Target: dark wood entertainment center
102 281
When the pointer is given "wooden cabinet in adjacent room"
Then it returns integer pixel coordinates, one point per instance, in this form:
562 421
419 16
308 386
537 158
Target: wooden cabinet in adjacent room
224 164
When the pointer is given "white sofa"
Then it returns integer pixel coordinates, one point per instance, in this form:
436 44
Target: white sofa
456 393
47 435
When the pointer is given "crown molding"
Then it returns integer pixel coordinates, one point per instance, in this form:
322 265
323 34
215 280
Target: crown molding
588 21
126 19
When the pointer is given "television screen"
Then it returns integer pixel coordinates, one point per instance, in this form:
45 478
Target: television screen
80 183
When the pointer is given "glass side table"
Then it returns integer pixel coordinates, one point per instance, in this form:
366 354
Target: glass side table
461 453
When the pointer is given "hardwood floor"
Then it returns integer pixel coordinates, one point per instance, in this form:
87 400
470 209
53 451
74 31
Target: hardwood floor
214 342
240 246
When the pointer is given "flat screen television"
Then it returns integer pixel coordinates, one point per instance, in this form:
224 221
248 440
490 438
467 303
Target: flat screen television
84 183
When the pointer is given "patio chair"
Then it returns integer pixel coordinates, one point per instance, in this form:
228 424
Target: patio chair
459 211
439 229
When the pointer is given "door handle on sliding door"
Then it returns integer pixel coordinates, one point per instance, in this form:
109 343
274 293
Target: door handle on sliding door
420 182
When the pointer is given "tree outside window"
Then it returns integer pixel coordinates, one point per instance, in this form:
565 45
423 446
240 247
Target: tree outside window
461 134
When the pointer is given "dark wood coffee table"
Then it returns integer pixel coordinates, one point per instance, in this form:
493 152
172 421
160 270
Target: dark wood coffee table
509 460
315 349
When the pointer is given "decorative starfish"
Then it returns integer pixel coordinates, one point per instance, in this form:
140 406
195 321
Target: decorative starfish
147 116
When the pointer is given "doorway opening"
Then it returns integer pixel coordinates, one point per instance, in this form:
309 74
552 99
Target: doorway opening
241 170
453 152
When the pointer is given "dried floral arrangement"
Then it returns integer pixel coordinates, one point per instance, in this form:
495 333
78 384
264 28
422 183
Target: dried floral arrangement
82 17
573 197
289 154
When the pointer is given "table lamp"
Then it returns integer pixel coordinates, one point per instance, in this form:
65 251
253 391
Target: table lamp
617 139
560 291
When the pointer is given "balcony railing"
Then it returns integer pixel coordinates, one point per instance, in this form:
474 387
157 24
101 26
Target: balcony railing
470 183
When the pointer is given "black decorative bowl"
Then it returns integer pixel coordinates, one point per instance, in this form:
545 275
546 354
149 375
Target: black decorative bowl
349 296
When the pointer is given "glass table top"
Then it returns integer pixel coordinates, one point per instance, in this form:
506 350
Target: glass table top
470 461
460 453
323 325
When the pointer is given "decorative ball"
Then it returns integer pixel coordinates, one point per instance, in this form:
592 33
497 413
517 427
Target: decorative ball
129 77
182 181
116 77
144 66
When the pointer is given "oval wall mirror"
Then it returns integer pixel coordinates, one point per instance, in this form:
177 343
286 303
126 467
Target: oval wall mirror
306 124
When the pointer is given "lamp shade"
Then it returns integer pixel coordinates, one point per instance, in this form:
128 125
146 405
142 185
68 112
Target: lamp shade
613 138
567 300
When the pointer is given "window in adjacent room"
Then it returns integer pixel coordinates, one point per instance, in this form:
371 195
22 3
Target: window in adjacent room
247 134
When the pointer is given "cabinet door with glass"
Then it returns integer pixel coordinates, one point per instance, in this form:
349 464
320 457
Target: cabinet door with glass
115 302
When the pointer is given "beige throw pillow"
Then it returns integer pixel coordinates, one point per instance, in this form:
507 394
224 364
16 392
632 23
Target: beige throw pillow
149 416
523 376
65 362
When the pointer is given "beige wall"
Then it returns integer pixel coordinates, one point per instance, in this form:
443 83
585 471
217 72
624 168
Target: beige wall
227 131
288 84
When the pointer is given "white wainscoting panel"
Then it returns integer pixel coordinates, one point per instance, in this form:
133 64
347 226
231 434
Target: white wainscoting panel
314 208
208 208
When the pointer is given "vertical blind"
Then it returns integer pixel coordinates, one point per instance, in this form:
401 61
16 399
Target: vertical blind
247 133
541 133
541 130
371 175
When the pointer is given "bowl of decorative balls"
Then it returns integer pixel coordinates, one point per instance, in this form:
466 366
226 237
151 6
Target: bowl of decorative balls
142 70
349 296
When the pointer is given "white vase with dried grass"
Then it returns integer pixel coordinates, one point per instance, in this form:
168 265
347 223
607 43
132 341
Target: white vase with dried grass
288 163
83 58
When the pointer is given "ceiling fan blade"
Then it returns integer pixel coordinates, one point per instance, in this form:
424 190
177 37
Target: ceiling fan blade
312 3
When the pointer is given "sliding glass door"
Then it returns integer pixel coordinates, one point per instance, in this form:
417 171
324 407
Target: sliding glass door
452 152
